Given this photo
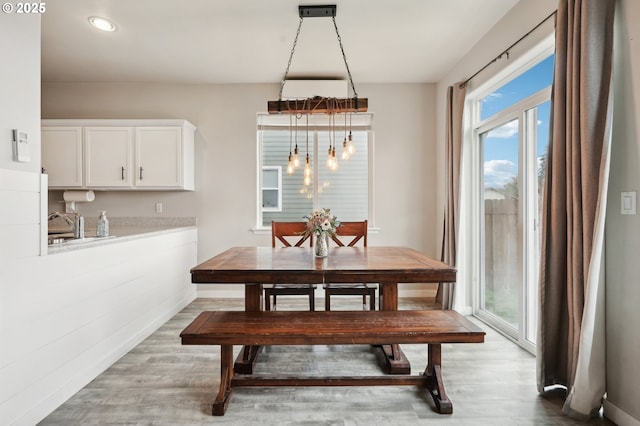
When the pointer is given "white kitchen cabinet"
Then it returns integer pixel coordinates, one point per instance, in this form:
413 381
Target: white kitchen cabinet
126 154
161 158
62 156
108 156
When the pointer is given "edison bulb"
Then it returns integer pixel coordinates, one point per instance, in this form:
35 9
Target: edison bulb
350 145
345 150
296 158
290 168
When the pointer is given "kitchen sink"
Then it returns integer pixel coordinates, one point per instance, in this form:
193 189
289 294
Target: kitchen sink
80 240
73 241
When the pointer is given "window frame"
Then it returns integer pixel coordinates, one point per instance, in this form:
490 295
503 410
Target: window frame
278 188
472 166
317 152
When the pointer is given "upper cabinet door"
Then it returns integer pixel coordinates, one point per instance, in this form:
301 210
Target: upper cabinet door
119 154
158 157
108 157
62 156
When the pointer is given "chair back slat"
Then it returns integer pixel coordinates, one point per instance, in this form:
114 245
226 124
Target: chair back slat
357 230
289 234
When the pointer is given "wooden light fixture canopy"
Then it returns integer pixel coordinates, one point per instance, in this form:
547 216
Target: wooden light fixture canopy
318 104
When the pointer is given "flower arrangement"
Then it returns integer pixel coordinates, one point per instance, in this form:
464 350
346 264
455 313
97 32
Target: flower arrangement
321 222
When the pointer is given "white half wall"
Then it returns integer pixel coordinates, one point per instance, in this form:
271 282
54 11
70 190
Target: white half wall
66 317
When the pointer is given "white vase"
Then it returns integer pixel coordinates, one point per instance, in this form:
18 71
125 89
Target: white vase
322 245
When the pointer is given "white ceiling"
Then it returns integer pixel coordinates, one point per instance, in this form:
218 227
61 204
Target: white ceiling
249 41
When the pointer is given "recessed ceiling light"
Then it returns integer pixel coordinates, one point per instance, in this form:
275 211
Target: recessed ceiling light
102 23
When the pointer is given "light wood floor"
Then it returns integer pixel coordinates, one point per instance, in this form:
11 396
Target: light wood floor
161 382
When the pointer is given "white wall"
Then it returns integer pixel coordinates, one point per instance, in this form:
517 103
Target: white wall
19 109
20 87
623 232
226 160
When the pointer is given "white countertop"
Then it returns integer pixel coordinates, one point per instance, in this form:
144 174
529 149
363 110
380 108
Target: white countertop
124 229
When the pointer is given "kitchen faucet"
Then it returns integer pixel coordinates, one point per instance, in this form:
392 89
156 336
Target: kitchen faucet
76 224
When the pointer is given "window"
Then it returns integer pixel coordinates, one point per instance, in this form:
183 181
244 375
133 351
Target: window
524 85
345 190
511 130
271 188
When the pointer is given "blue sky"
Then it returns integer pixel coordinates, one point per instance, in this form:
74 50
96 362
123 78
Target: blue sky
501 144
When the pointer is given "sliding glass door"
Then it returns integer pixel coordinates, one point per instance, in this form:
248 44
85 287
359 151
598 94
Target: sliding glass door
501 222
511 141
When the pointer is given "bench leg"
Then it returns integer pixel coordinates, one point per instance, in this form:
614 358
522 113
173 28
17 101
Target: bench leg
435 385
226 374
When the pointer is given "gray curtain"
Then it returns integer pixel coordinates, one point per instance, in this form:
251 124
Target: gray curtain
571 322
454 114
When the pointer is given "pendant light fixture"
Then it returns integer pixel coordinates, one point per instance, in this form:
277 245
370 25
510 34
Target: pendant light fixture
332 160
308 174
290 167
351 149
345 150
318 104
296 155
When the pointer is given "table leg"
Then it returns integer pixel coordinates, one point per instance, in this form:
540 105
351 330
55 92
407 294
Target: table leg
253 297
435 385
248 355
392 359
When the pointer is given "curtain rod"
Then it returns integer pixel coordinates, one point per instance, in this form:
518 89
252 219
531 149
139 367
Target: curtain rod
506 51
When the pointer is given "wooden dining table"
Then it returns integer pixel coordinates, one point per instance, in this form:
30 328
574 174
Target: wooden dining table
387 266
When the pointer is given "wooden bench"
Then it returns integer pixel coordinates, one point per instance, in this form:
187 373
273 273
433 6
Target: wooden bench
331 328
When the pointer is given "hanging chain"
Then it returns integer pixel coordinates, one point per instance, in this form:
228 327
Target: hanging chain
293 49
355 94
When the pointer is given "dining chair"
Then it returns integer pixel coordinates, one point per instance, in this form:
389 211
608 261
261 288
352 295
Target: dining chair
358 233
289 234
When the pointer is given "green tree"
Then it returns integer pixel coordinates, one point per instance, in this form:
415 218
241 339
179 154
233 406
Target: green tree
511 187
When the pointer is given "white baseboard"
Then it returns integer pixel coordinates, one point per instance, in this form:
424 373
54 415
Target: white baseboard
619 417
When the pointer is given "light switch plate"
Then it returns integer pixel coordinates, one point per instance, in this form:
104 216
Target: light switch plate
628 202
21 146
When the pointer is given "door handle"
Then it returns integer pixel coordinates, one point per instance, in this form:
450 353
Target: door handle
140 173
122 173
